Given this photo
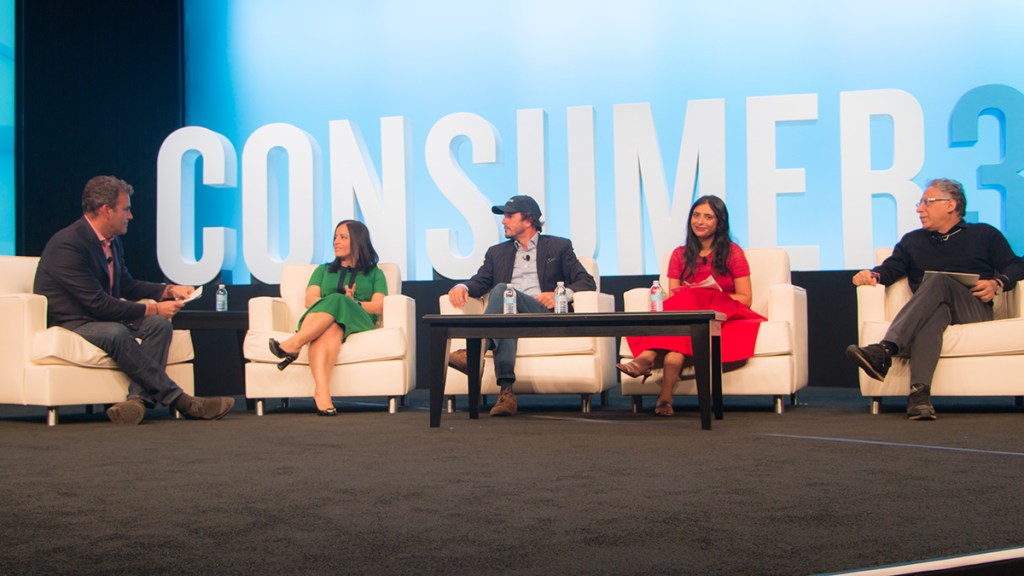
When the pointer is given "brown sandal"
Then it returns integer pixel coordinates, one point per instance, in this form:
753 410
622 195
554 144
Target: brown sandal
664 408
635 370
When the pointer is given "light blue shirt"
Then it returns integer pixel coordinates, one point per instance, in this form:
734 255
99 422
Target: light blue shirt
524 268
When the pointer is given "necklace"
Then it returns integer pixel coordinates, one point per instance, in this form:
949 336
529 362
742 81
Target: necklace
948 235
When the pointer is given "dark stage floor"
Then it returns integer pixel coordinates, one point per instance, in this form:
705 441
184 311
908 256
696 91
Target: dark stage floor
826 487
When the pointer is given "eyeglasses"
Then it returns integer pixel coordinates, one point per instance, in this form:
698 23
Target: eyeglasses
929 201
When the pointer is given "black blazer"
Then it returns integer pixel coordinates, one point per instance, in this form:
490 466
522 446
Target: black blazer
73 276
556 261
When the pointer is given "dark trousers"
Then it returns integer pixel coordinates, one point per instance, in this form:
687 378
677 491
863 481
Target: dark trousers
144 363
505 348
917 329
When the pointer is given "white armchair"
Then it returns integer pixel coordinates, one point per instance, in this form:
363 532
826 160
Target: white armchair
379 362
578 365
55 367
779 365
983 359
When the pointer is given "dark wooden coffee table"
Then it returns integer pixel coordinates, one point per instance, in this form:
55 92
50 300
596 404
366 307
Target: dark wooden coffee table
703 327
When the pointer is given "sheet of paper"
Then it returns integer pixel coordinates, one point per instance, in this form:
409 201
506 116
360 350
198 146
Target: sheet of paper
198 292
708 282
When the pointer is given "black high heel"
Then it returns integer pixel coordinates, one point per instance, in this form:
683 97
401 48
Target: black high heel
332 411
276 350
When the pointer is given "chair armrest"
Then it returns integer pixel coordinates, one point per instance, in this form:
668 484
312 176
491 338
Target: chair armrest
472 306
636 300
270 314
400 312
22 316
591 301
789 303
870 305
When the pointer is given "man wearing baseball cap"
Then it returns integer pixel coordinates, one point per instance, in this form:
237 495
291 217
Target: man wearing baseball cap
532 264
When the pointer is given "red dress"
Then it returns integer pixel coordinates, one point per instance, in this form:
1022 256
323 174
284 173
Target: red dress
739 331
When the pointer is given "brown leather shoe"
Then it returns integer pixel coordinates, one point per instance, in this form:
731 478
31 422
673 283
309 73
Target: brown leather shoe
131 412
459 360
213 408
507 405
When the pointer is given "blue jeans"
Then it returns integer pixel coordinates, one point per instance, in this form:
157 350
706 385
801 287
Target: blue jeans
144 363
505 348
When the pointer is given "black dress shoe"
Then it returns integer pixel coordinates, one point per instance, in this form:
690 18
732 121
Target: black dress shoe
276 350
332 411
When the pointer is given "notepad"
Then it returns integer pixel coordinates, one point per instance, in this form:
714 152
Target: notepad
968 280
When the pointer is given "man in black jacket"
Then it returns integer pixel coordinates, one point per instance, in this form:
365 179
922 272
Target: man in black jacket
83 275
530 263
944 243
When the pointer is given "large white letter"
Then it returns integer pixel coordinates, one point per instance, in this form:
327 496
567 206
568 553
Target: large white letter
175 205
444 169
860 182
261 203
638 166
531 132
582 180
354 177
764 180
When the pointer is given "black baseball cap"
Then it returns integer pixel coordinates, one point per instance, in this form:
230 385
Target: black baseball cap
522 203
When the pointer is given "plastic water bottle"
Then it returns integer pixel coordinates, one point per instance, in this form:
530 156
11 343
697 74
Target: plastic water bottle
657 297
561 299
509 301
221 304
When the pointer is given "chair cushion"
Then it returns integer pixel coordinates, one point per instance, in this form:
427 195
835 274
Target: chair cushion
994 338
57 345
378 344
556 346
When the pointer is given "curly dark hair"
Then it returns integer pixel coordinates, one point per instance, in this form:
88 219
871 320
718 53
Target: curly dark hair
102 191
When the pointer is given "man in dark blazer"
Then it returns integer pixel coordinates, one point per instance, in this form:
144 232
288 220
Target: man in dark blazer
83 275
530 263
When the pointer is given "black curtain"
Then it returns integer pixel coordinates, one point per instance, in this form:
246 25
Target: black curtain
99 86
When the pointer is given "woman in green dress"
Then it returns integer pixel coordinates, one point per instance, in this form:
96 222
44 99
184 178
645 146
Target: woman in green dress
344 296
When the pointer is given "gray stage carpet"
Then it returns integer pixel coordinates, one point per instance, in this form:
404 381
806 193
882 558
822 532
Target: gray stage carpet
825 487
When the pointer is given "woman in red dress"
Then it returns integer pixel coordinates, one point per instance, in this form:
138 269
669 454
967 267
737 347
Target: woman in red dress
709 272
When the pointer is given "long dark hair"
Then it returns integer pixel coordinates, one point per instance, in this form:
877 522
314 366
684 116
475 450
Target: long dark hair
362 248
721 244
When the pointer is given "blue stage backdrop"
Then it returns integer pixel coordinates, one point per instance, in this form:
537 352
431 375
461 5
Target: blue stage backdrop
818 122
6 126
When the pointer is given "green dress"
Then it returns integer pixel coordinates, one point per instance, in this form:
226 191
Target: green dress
346 311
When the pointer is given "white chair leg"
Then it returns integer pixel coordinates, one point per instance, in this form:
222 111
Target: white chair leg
585 403
638 404
876 405
794 399
780 406
51 416
450 404
174 413
392 405
259 406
